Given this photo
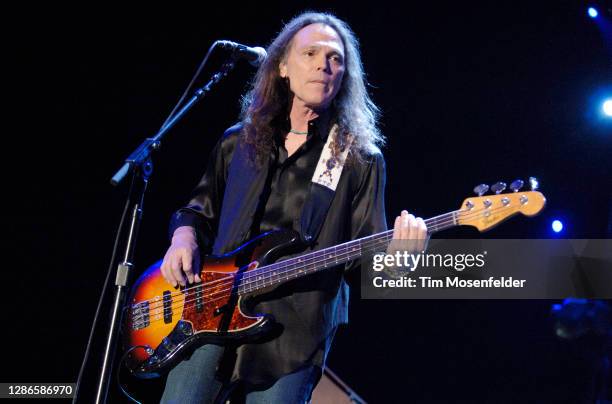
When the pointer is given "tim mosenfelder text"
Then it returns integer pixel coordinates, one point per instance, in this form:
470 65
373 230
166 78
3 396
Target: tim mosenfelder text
400 262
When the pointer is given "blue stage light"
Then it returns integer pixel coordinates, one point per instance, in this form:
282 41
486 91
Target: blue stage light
593 12
607 107
557 226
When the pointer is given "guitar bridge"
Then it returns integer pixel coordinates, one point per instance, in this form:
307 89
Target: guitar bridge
140 315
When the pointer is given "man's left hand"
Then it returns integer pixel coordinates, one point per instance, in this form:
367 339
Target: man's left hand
409 234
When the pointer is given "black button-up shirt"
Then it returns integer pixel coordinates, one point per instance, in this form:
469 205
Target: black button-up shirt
288 183
235 200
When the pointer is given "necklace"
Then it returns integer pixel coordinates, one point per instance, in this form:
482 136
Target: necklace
297 132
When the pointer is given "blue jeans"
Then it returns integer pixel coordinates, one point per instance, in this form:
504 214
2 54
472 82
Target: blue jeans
193 381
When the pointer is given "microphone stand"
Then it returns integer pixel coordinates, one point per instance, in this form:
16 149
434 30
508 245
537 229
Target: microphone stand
140 165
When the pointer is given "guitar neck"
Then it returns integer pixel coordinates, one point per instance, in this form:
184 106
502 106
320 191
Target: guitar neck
306 264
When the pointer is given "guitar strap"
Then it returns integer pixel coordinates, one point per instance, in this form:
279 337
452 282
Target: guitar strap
322 187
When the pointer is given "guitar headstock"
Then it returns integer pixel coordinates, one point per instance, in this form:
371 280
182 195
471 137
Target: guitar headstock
486 211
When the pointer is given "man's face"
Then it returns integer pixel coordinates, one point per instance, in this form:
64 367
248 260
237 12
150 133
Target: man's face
314 66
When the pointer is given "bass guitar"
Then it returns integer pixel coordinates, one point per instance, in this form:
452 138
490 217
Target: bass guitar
162 323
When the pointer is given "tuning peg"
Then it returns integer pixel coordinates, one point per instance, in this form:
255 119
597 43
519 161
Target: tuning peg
533 183
481 189
517 185
498 187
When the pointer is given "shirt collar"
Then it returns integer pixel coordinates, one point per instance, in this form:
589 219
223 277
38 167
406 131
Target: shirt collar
320 125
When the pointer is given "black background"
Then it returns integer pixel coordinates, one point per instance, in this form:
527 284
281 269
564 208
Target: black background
470 94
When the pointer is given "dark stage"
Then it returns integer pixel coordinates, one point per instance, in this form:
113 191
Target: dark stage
469 93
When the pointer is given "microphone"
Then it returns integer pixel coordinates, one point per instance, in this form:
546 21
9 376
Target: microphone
254 56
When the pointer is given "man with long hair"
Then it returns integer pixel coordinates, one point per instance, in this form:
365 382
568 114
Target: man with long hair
310 87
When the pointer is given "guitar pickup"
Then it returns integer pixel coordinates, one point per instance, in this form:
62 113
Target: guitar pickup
167 299
199 301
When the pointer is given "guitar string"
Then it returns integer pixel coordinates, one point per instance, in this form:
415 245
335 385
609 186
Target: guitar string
311 255
213 293
243 284
308 256
187 305
246 280
432 227
259 274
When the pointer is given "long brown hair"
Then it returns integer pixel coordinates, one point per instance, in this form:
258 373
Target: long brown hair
266 104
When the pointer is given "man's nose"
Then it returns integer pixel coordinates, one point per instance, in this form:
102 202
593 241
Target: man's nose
323 64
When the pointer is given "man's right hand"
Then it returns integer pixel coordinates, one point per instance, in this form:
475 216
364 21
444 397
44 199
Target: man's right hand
182 258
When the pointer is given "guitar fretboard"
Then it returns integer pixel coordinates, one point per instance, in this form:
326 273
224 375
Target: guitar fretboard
296 267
